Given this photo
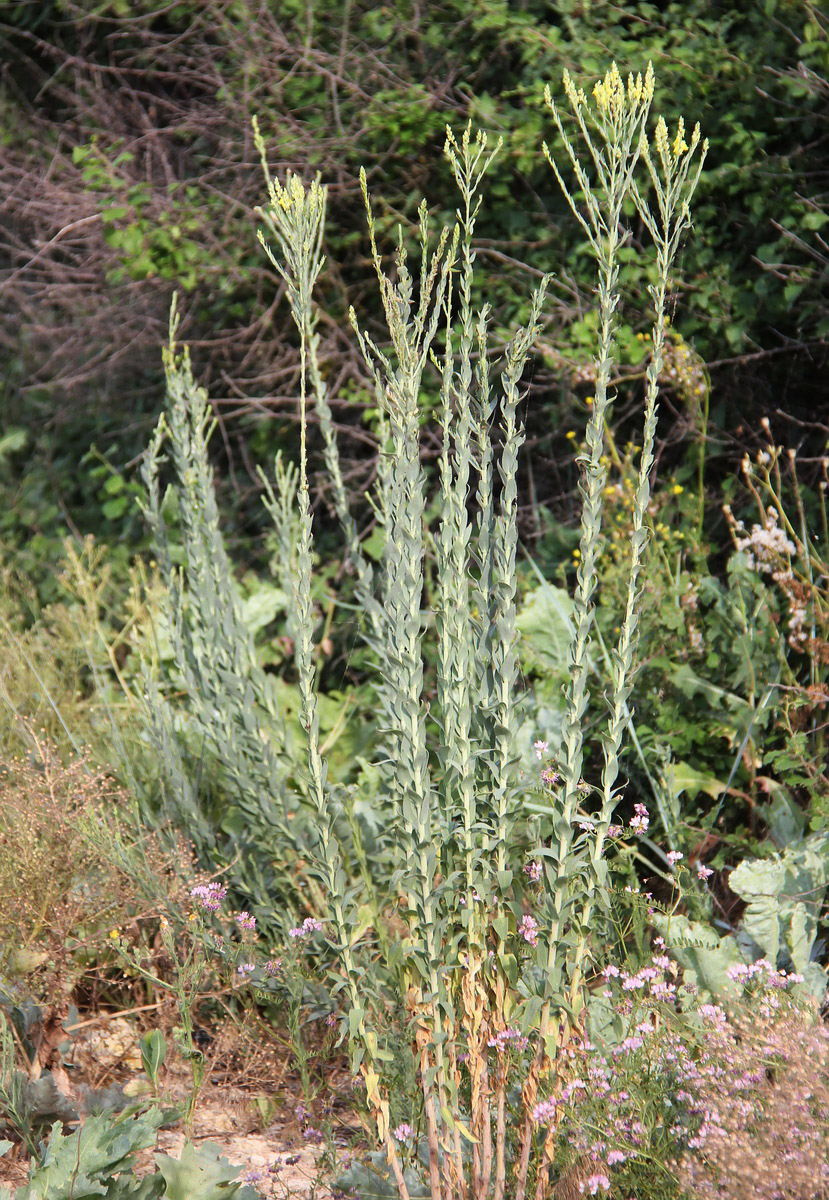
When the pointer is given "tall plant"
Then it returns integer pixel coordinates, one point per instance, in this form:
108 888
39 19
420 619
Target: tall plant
498 893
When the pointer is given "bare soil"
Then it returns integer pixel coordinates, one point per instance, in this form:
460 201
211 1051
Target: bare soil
250 1106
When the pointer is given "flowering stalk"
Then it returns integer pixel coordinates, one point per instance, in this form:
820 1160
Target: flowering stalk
469 162
674 184
297 215
613 145
456 811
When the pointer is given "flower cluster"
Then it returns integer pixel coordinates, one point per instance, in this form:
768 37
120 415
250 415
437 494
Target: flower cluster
508 1039
309 925
770 551
767 545
533 870
528 929
641 818
684 369
209 895
677 1094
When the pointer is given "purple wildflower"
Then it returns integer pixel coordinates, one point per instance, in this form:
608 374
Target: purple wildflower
529 929
309 925
641 818
209 895
593 1184
245 921
544 1111
504 1038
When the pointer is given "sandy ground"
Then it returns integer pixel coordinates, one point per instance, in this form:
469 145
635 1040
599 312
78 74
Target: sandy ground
275 1154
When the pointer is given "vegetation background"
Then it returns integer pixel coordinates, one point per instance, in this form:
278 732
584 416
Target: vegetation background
129 171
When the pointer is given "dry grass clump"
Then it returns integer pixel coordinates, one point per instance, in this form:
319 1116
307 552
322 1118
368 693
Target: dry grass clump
44 668
73 864
764 1087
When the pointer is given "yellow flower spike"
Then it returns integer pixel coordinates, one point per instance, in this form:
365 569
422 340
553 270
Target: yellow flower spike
680 146
677 489
570 435
114 933
609 93
660 138
570 89
650 83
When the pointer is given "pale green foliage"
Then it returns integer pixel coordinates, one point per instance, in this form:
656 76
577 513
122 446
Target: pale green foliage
460 820
461 823
614 134
231 724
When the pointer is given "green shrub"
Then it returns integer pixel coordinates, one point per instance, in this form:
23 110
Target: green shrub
464 827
